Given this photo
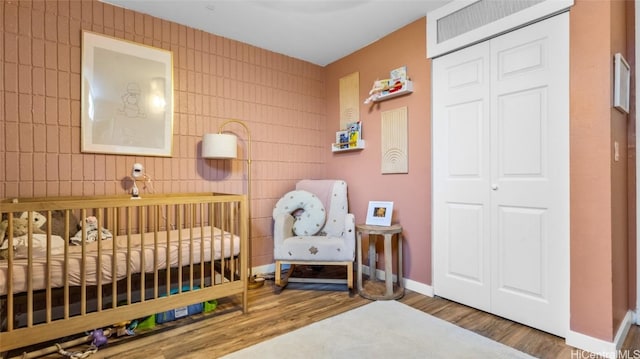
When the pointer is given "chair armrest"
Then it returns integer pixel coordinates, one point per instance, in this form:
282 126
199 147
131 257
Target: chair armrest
350 231
282 228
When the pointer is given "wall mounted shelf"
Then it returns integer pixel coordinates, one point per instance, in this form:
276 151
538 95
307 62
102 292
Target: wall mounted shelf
359 145
405 90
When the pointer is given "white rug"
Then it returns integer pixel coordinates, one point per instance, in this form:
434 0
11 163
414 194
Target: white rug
382 329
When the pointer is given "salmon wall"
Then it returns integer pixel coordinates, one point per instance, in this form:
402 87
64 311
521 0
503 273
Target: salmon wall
600 261
281 99
601 264
619 174
411 192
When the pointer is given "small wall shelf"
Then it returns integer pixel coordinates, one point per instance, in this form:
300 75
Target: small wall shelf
405 90
359 145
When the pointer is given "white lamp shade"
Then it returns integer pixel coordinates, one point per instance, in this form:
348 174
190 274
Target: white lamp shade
219 145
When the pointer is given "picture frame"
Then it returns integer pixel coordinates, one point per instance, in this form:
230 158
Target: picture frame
379 213
622 83
127 97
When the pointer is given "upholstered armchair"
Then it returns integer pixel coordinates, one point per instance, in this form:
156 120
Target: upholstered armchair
313 227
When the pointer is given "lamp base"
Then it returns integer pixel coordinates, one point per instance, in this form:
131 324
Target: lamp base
255 283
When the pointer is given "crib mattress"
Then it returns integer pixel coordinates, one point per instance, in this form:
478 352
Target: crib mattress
184 247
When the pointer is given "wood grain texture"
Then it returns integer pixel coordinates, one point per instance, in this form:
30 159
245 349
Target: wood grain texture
349 89
395 136
273 312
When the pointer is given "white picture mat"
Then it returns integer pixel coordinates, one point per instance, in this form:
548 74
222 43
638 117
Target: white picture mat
379 213
127 97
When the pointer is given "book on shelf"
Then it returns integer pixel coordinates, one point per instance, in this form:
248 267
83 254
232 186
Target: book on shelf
350 136
399 74
355 133
342 139
398 79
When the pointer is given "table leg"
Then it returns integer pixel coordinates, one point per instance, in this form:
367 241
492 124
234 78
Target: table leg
372 257
359 249
400 284
388 264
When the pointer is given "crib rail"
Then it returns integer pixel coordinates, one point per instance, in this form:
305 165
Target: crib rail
147 256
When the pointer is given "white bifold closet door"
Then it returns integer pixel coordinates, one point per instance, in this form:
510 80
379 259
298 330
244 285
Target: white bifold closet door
501 175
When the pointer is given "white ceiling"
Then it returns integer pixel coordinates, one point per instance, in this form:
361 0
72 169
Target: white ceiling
317 31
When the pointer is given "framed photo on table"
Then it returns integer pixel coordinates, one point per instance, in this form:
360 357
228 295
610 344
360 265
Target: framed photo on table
379 213
127 97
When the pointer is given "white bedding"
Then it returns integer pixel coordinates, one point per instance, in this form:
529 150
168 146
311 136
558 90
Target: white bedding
190 253
21 243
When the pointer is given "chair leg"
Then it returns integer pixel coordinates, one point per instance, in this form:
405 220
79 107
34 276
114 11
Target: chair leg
280 281
350 275
278 273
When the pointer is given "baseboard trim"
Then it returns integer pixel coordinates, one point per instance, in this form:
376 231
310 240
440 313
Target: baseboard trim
267 268
598 346
418 287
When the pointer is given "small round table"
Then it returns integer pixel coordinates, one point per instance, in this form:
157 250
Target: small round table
372 288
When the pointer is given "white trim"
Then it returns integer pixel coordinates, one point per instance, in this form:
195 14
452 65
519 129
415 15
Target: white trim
623 330
598 346
519 19
267 268
379 273
418 287
409 284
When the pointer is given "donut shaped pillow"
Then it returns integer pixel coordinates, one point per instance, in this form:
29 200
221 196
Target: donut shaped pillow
307 210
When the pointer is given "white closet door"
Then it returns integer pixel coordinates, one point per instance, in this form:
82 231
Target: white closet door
530 174
501 175
461 168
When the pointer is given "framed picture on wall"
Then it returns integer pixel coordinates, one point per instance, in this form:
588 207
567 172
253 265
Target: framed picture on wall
622 82
379 213
127 97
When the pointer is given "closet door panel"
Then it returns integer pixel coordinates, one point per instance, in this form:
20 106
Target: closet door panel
530 175
522 253
460 198
522 126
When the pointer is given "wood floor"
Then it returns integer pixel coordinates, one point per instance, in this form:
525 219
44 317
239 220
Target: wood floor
273 312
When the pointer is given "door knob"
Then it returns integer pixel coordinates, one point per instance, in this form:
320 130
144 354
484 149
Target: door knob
494 187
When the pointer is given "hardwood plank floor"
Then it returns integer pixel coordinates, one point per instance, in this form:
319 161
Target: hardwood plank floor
273 312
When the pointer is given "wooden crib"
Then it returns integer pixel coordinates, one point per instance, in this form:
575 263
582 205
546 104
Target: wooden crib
83 263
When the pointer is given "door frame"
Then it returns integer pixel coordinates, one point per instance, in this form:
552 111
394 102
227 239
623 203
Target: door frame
506 23
562 326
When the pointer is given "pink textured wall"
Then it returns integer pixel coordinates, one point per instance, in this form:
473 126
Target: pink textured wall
410 193
600 261
281 99
619 175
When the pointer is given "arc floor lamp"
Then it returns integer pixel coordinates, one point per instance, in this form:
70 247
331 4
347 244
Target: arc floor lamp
225 146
